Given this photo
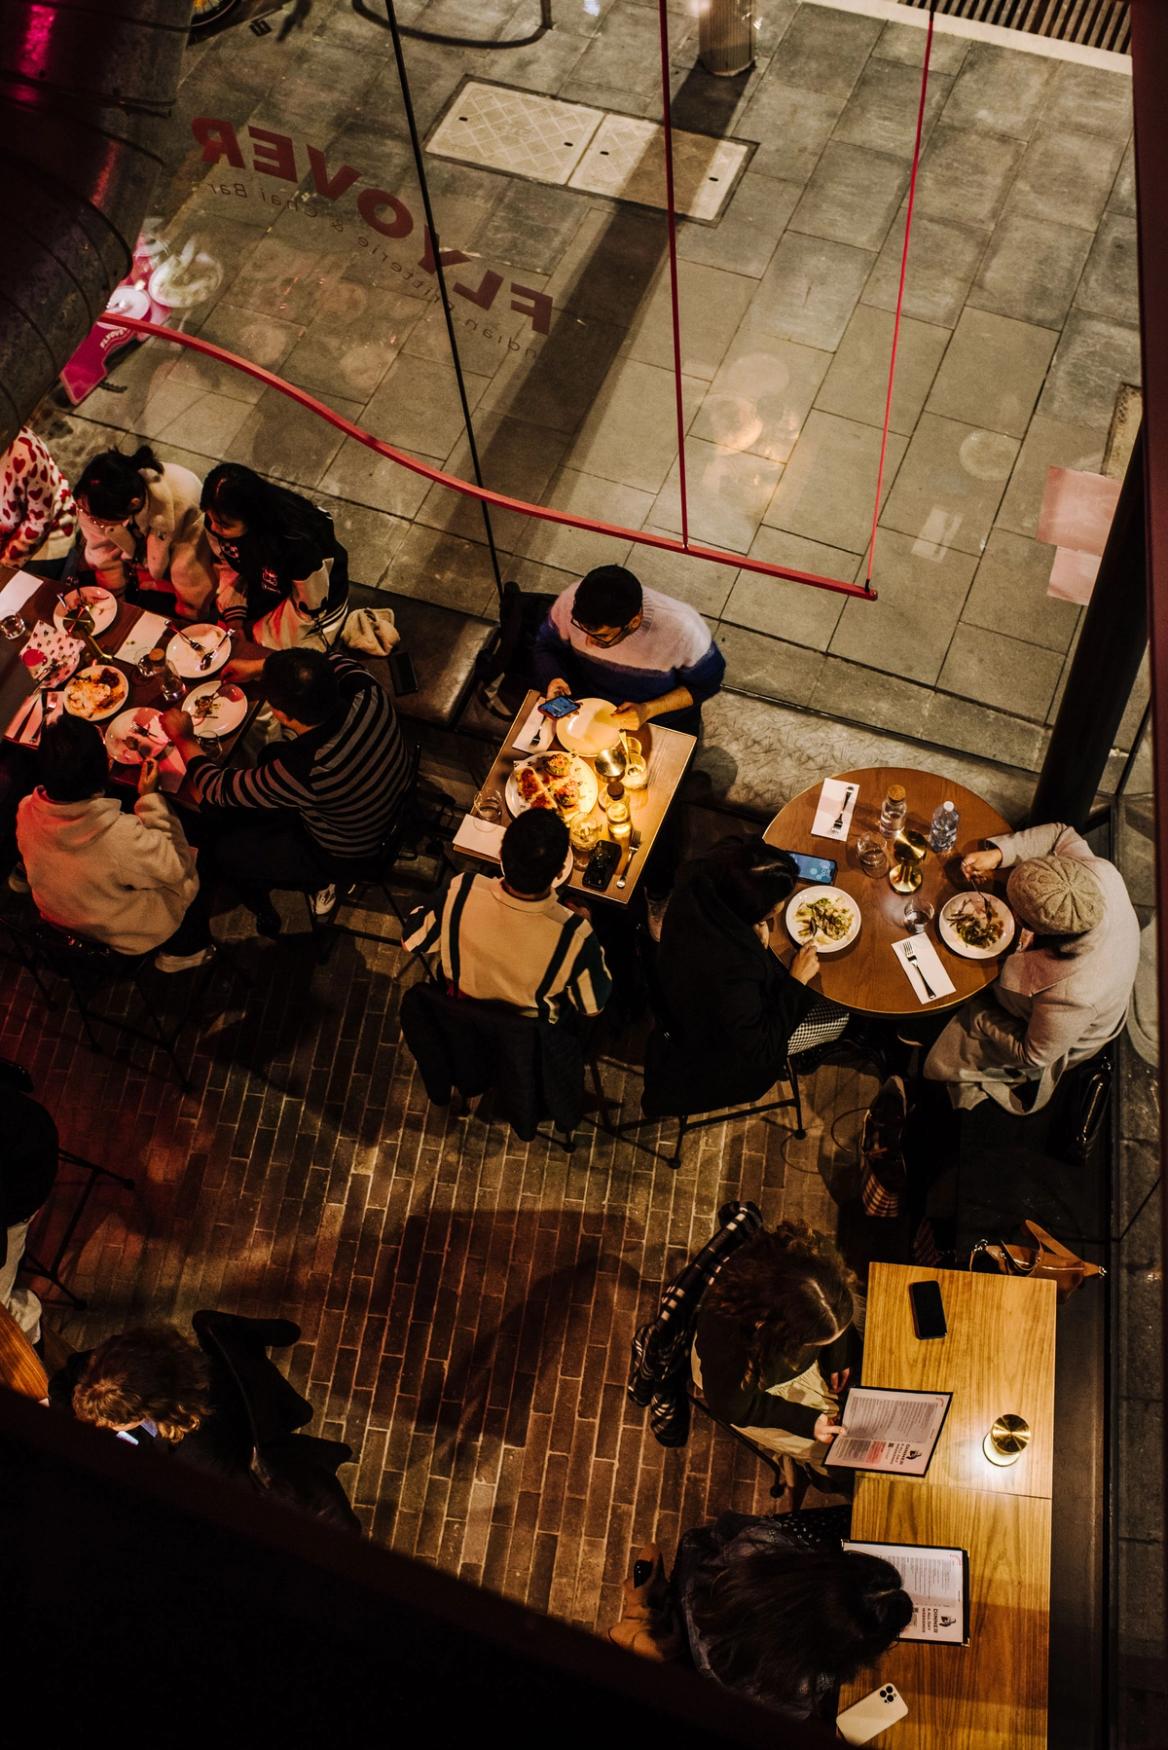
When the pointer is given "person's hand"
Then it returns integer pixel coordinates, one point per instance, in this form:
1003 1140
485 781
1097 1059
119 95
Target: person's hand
571 903
837 1382
557 689
628 716
177 722
148 776
980 863
243 668
805 965
1025 938
825 1430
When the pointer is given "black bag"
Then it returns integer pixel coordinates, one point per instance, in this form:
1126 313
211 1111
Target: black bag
1084 1096
510 656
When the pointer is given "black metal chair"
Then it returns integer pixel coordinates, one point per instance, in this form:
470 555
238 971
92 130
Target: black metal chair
49 1266
790 1477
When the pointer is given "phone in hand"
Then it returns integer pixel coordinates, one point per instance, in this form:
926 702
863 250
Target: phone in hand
561 707
818 870
928 1310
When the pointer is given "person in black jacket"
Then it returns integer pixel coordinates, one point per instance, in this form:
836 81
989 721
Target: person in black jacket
775 1343
28 1167
732 1012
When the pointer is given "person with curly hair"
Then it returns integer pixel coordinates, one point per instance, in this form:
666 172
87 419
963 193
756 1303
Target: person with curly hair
151 1385
775 1341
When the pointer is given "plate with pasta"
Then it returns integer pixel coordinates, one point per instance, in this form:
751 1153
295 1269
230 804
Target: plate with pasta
826 918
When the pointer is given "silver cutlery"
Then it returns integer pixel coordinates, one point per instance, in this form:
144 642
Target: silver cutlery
537 737
916 965
839 819
634 847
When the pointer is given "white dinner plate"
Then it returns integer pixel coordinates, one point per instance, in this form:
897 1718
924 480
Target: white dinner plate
975 902
148 732
101 604
583 774
798 927
589 730
213 641
226 714
78 705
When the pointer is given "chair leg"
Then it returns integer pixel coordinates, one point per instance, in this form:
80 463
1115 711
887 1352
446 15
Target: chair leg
675 1157
602 1099
793 1077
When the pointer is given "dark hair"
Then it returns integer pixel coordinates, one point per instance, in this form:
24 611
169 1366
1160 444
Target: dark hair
72 762
750 877
152 1372
111 481
783 1291
608 596
269 513
784 1622
302 683
533 850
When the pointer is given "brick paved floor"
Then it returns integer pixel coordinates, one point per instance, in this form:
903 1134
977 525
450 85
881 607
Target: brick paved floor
466 1301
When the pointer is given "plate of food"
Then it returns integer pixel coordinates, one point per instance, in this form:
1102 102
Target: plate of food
88 609
136 735
590 729
978 926
96 691
198 650
560 781
216 709
825 917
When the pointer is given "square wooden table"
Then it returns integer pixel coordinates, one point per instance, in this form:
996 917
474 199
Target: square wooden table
668 753
998 1356
16 683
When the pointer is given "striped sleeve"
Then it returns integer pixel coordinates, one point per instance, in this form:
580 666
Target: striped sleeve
590 985
271 785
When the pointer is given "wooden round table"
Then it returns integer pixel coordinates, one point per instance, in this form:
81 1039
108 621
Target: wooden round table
866 976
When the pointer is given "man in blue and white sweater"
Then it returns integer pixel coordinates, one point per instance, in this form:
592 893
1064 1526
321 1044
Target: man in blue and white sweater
606 637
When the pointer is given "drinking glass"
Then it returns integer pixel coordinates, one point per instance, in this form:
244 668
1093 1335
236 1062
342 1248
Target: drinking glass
870 853
918 914
584 834
14 626
150 666
211 744
487 809
636 767
174 689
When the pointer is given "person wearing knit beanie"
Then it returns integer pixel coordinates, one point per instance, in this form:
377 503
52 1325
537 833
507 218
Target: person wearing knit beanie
1063 992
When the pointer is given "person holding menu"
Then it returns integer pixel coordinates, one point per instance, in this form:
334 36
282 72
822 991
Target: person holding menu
775 1343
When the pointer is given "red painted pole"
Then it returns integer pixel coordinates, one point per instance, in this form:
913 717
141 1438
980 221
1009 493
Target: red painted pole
675 304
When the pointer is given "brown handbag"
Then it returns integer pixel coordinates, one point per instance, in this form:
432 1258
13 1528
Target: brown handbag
1045 1259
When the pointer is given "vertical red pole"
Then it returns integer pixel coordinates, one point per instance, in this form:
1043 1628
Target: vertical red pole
671 220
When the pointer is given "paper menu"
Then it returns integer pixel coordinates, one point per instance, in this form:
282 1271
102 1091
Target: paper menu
833 815
937 1581
895 1432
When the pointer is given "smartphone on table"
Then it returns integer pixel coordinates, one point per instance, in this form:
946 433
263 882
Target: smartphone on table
928 1310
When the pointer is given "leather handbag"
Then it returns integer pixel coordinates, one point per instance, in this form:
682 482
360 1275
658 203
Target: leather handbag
1079 1126
1043 1258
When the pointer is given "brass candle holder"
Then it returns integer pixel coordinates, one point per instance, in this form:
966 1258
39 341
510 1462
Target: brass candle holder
1007 1440
909 851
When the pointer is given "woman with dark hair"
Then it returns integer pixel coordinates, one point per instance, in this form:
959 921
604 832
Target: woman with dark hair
127 880
771 1608
283 577
143 528
729 1012
774 1342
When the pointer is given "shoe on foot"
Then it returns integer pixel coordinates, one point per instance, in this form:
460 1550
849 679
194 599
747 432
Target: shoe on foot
655 909
324 902
184 962
18 880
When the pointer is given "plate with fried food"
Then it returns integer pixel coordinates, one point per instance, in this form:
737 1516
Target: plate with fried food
96 691
562 782
826 918
978 926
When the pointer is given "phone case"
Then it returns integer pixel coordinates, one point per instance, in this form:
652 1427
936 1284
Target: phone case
861 1722
601 865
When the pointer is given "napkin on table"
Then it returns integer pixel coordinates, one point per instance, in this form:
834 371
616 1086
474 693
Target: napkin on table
144 635
930 964
44 708
535 723
17 591
836 799
479 838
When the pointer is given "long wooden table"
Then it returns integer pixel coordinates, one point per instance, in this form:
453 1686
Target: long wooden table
866 976
668 752
998 1357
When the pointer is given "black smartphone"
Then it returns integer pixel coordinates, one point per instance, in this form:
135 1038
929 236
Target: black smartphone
401 673
561 707
928 1310
820 870
601 864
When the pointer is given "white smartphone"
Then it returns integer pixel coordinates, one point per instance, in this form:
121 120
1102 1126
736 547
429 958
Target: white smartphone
861 1722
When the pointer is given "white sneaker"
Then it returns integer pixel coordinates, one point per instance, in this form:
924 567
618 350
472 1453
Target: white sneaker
324 902
18 880
655 910
184 962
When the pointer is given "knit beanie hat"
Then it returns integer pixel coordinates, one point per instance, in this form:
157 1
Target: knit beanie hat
1055 896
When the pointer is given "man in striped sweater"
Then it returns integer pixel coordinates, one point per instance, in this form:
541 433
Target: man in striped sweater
512 939
318 806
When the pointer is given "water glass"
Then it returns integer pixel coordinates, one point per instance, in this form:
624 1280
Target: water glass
150 666
871 855
918 915
14 626
636 768
584 834
487 809
174 689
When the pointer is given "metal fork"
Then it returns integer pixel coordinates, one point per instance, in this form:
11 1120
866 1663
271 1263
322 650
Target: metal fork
915 963
634 847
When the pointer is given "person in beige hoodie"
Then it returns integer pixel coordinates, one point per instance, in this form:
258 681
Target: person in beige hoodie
126 880
142 526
